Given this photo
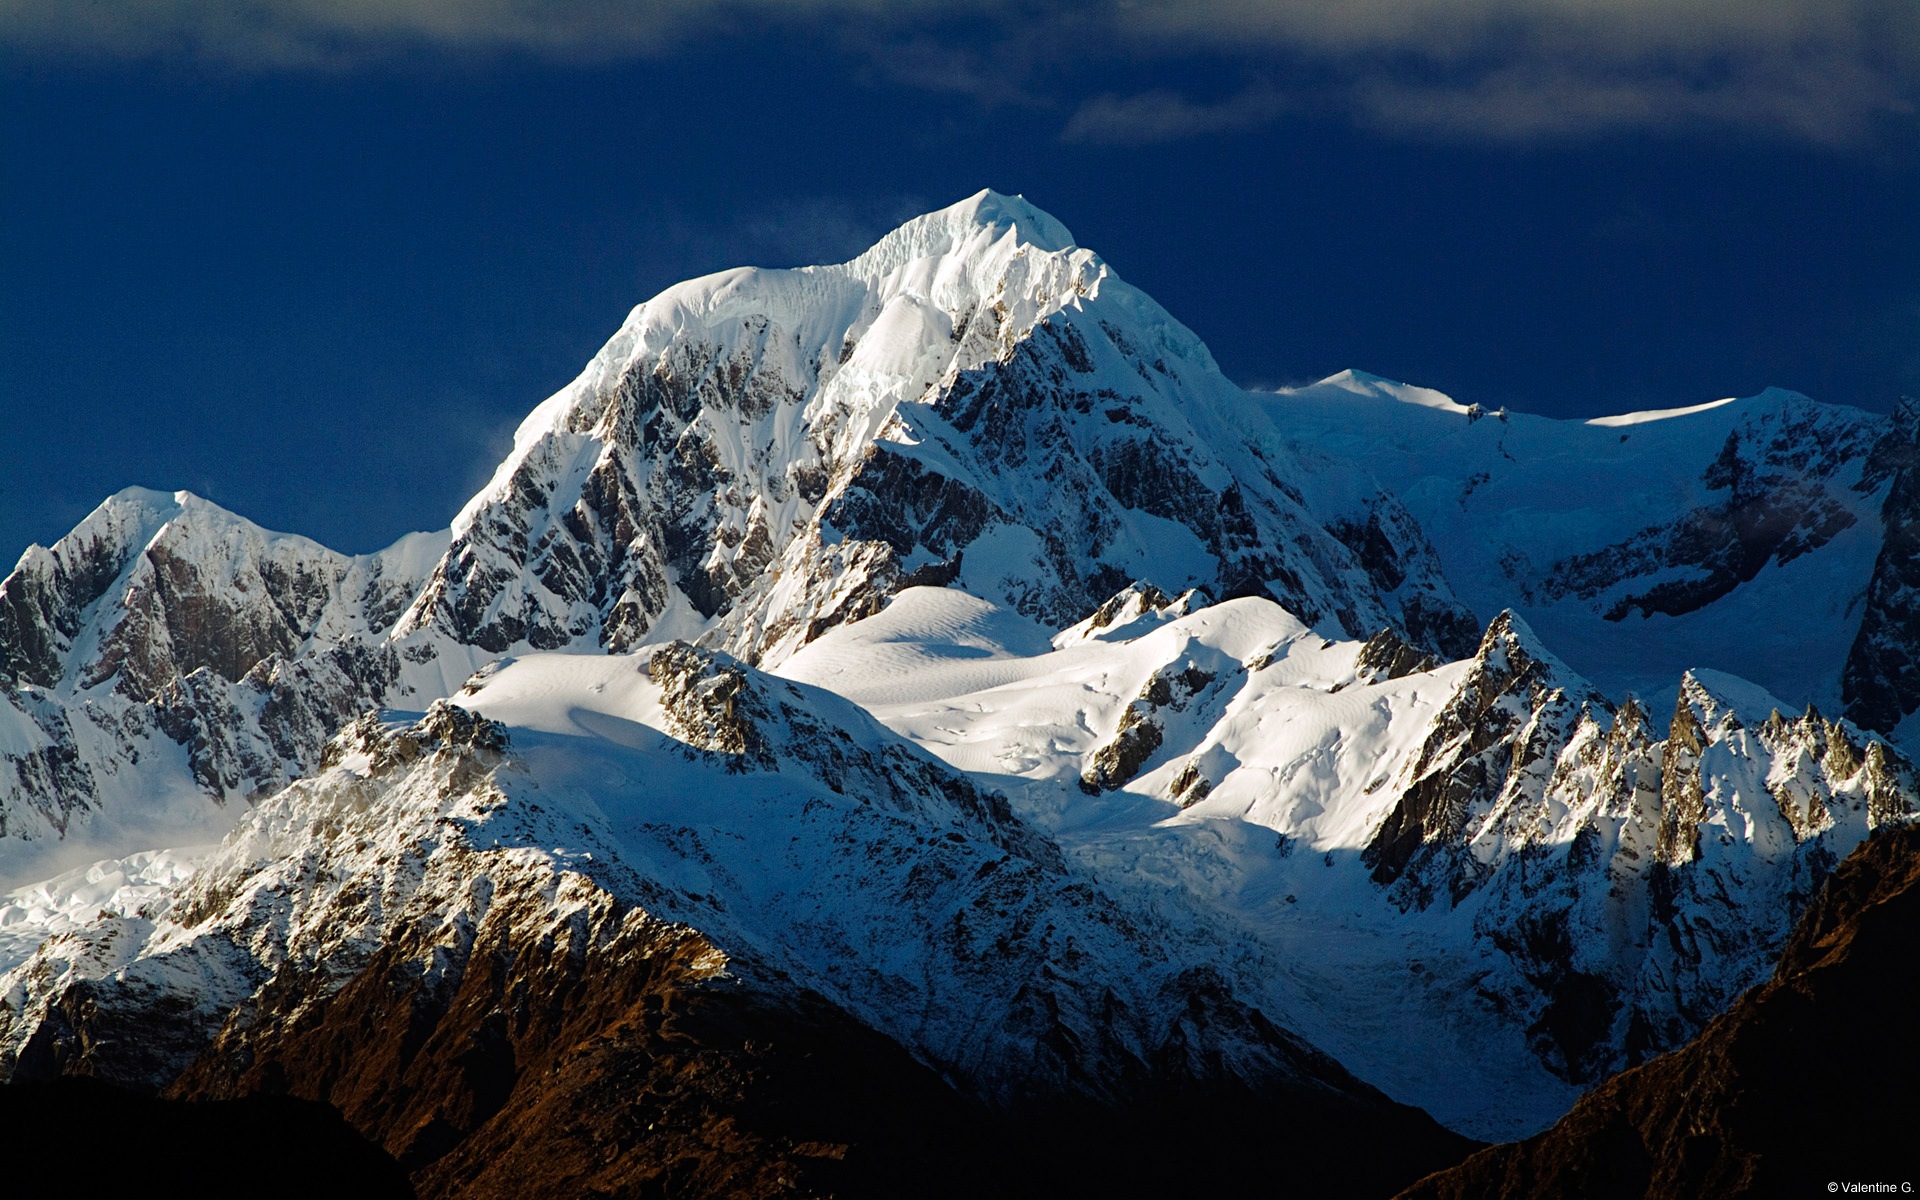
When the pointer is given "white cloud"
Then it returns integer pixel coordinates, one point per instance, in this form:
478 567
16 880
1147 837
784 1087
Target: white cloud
320 33
1163 116
1822 100
1814 69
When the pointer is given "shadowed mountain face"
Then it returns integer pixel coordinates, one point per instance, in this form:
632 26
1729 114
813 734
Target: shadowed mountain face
1731 1114
1645 545
1882 676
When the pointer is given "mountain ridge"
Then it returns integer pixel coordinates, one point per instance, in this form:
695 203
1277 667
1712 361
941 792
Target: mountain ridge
1139 714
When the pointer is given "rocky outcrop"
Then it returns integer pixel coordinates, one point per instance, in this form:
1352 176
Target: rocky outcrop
1635 885
1500 731
1386 655
1880 683
1140 731
1726 1115
743 720
151 588
163 621
1784 478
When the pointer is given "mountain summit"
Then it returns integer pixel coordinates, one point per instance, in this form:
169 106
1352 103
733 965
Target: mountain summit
757 456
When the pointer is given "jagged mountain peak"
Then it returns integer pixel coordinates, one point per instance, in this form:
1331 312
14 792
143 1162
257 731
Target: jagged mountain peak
941 232
1511 658
760 455
933 274
923 478
1714 698
155 585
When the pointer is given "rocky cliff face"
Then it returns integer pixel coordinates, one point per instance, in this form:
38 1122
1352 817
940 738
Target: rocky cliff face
1583 885
1637 884
168 657
1172 825
754 458
1642 545
1881 680
1725 1115
1778 490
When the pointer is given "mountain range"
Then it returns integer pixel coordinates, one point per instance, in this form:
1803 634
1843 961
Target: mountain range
916 718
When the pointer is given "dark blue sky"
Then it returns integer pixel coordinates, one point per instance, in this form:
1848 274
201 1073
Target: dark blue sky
320 280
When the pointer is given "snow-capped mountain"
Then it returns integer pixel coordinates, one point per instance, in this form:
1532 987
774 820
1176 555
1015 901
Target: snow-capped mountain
1723 1117
757 456
935 652
753 458
167 658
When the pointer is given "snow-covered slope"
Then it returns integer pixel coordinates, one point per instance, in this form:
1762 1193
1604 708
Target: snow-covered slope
1293 783
1554 888
753 458
1640 546
675 805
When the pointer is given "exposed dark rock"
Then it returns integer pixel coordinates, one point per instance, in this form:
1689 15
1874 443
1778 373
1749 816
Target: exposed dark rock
1464 765
1189 787
50 780
1138 597
531 1035
1140 733
1880 684
1120 757
42 602
1386 655
1394 551
897 500
711 706
608 1063
1727 1115
1778 478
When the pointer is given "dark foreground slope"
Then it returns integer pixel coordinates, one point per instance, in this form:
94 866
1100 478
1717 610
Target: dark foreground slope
1808 1081
259 1146
609 1081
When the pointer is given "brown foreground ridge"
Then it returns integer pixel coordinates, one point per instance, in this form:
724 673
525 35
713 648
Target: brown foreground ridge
550 1076
1805 1087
